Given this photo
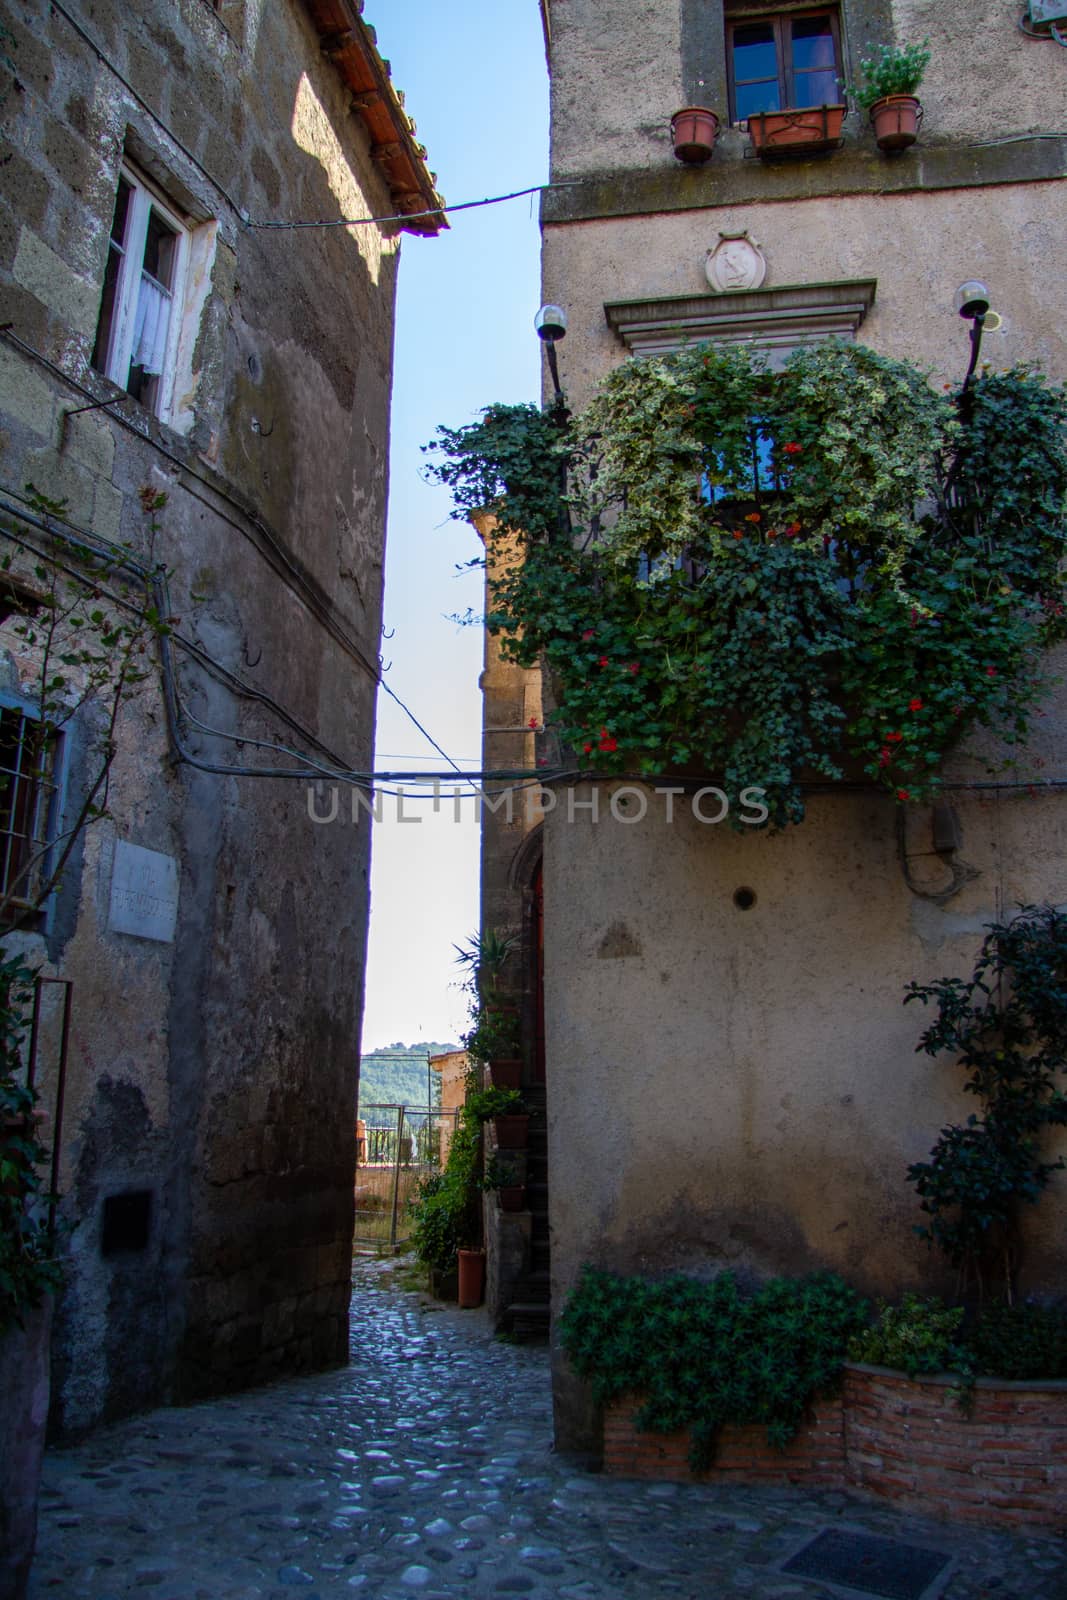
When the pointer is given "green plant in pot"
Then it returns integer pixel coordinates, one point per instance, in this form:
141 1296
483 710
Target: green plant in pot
886 92
504 1177
505 1109
484 956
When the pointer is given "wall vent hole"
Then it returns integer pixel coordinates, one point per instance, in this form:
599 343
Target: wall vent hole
744 899
127 1222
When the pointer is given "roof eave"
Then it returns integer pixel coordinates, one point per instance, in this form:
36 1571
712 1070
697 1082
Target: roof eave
351 44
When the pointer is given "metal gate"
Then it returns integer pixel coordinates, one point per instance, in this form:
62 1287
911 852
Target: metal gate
396 1147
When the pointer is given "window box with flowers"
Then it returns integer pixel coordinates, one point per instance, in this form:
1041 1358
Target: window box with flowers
895 583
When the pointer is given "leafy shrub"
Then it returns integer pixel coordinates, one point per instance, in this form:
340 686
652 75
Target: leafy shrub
1007 1027
446 1205
915 1337
705 1353
1021 1342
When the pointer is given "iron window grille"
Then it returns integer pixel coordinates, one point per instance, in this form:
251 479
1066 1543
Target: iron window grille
29 803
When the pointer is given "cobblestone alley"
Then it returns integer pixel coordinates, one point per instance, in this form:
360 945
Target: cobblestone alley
425 1469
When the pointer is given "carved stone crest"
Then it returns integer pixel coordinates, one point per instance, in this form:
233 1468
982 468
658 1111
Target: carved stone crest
736 262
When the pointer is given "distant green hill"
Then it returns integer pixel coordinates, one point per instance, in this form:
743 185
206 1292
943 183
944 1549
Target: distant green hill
398 1075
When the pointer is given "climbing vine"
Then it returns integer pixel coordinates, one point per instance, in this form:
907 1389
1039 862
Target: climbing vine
776 577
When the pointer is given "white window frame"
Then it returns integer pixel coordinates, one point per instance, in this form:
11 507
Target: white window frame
144 199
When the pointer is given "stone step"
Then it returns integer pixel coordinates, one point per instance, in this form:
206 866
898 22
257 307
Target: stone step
527 1320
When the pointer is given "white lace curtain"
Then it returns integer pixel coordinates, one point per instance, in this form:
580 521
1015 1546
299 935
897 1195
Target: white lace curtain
151 326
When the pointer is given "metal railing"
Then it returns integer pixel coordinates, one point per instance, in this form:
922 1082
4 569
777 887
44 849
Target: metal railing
397 1146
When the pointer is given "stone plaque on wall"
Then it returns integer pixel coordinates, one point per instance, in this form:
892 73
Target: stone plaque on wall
144 893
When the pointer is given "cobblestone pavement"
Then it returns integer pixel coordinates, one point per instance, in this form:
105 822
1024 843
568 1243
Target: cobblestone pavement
425 1470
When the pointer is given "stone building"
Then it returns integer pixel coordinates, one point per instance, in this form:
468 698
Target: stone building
731 1076
158 337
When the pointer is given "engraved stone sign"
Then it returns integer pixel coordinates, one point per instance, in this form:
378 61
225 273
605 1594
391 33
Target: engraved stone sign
144 893
736 262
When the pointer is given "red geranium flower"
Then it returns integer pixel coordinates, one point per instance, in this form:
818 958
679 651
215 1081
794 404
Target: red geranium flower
753 516
607 743
633 667
990 672
894 738
587 748
794 527
885 756
915 705
793 449
902 794
603 661
589 634
739 533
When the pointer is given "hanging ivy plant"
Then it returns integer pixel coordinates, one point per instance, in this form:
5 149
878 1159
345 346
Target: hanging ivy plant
761 577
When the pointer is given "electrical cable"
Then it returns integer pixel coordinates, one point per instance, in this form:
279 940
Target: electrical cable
411 216
296 581
102 549
156 118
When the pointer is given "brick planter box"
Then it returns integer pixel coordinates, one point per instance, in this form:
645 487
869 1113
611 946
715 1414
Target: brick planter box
893 1437
1006 1463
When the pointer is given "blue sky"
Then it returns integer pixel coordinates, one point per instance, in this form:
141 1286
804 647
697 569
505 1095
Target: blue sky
474 77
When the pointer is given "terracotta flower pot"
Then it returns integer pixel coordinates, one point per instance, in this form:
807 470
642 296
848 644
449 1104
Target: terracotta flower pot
506 1073
512 1130
693 133
895 120
471 1278
779 134
512 1197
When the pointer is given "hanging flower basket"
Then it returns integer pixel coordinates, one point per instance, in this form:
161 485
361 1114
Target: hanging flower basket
693 133
896 120
778 135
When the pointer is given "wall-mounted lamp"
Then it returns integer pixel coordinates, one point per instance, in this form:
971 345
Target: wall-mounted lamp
551 325
972 303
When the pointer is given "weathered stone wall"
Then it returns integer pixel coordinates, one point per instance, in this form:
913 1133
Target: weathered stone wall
734 1087
217 1072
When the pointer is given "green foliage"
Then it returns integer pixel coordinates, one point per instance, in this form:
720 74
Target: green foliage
1023 1343
1006 1025
1019 1343
493 1036
484 1104
762 576
398 1075
916 1336
895 70
705 1354
446 1207
28 1268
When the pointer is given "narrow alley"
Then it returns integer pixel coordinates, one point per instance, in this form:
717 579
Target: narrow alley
425 1469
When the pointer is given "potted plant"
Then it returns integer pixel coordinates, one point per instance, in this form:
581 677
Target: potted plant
485 956
813 130
471 1268
887 93
505 1178
693 133
504 1108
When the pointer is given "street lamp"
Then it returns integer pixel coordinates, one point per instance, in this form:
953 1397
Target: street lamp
972 303
551 325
